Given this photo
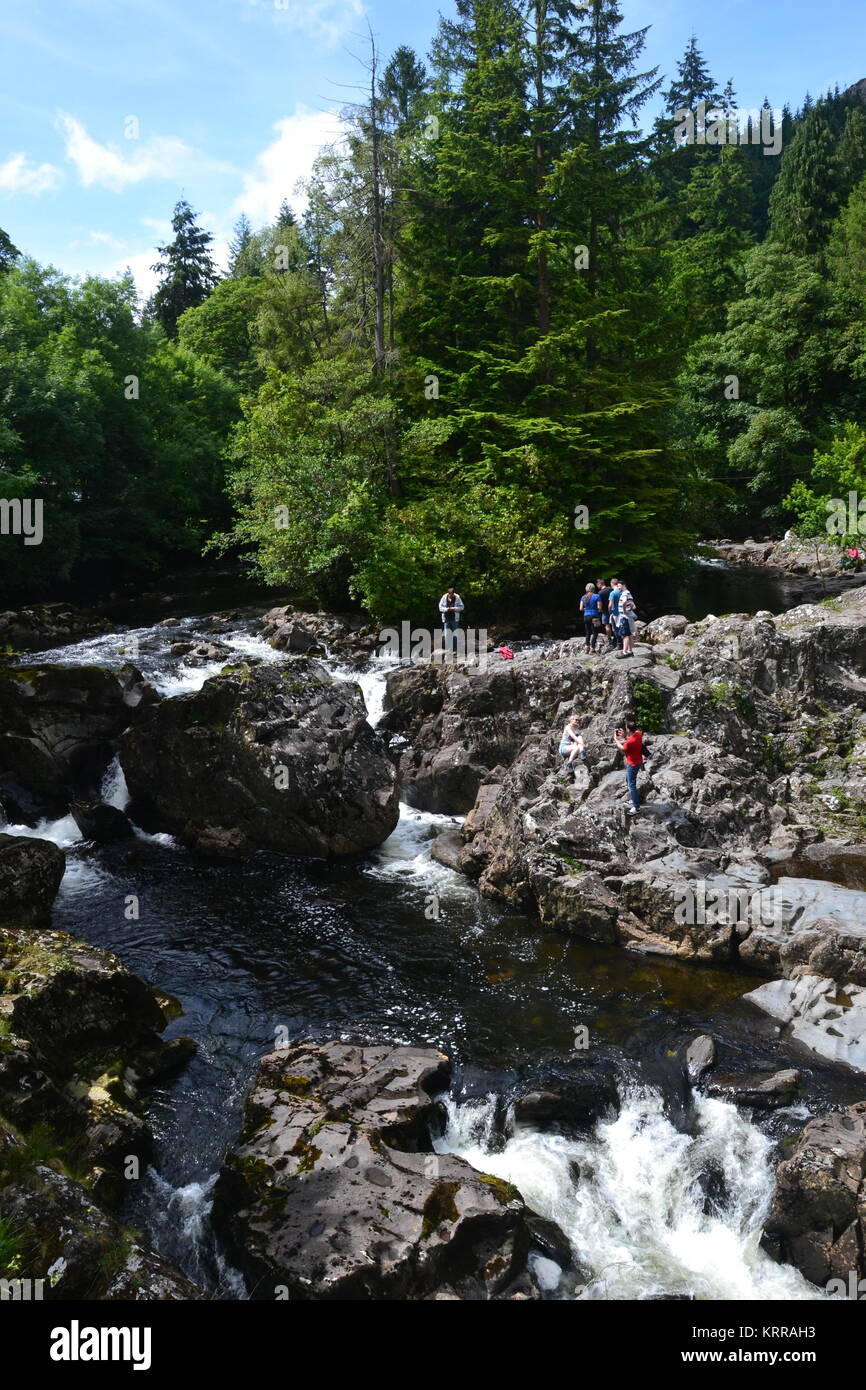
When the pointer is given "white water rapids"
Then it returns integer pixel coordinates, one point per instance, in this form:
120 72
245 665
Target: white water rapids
630 1200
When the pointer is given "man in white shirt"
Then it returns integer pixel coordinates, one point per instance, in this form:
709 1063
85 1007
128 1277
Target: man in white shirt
450 606
627 618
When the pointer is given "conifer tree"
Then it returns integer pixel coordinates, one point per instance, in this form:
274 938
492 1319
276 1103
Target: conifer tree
852 151
9 254
185 268
805 197
404 83
239 249
693 84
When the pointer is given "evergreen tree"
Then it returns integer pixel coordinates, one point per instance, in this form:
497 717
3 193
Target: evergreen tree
706 266
805 198
239 248
9 254
693 84
404 85
185 268
285 217
852 151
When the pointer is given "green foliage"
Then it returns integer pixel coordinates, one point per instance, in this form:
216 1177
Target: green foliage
805 200
649 706
506 300
9 254
117 432
11 1248
838 471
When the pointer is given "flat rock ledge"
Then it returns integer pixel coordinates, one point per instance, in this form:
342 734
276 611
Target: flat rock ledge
824 1016
333 1191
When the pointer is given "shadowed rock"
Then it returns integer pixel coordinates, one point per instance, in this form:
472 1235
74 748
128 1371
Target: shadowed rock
31 871
264 757
333 1191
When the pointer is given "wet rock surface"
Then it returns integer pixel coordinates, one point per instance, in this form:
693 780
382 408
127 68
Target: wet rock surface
823 1015
264 757
818 1217
79 1037
80 1034
58 732
48 624
784 557
70 1242
290 630
756 1090
31 871
334 1191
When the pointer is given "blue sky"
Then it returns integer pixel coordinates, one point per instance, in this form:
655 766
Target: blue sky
113 109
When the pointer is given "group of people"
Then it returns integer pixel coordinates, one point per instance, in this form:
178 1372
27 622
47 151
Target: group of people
609 613
628 738
609 617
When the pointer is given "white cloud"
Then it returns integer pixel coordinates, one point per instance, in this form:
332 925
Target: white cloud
288 158
146 279
105 239
161 226
325 20
160 156
18 175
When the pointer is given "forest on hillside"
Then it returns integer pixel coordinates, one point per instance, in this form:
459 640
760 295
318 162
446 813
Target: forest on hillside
513 295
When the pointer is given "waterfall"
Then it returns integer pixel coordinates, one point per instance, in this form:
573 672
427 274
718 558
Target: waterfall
631 1197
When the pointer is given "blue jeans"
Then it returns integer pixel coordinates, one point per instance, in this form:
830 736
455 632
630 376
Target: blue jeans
450 636
631 782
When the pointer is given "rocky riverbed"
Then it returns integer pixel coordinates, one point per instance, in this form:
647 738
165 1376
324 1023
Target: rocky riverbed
354 1168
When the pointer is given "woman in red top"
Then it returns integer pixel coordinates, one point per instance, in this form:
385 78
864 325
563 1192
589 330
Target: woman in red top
630 740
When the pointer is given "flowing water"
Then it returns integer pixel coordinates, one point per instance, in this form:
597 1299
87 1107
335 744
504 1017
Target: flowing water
666 1199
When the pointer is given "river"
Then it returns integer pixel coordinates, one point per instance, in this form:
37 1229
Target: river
671 1195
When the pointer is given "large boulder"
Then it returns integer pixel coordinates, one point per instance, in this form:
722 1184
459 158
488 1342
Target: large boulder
333 1190
756 1090
265 757
31 871
58 726
462 723
68 997
573 1098
289 630
103 824
818 1217
819 929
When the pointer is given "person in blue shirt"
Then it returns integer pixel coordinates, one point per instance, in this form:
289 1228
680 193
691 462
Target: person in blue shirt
590 607
614 639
